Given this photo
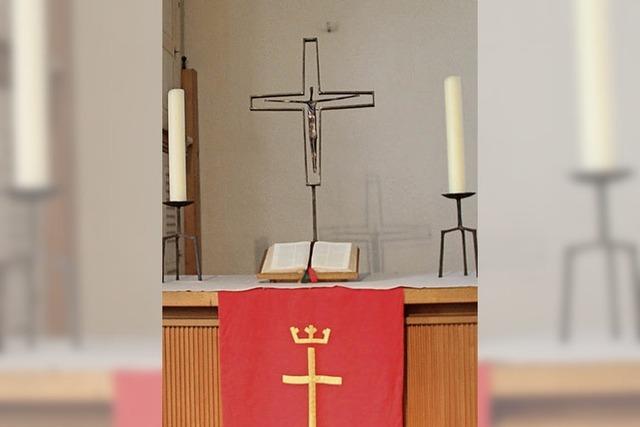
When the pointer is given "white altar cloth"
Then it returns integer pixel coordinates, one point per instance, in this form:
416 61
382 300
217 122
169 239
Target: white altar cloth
373 281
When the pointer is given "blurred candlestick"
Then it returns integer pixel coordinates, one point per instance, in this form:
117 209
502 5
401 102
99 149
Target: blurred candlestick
594 84
455 133
31 169
177 147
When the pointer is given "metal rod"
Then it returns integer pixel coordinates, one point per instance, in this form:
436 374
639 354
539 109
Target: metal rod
441 252
464 250
602 211
196 248
179 230
474 233
314 213
635 276
614 311
164 245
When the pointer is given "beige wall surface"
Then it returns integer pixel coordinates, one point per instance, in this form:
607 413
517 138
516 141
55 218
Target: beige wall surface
533 209
383 168
117 95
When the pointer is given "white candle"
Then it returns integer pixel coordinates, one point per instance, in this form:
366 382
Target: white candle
594 84
31 169
177 147
455 133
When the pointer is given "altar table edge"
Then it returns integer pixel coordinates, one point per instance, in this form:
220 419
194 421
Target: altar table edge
424 306
412 296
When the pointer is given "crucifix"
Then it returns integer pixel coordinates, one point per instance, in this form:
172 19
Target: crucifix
311 379
311 101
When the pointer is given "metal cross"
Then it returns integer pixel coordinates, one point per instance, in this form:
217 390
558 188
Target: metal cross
311 101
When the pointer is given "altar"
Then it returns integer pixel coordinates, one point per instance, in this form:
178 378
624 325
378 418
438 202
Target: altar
440 346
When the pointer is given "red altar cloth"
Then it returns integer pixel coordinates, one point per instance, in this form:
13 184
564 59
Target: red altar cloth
359 364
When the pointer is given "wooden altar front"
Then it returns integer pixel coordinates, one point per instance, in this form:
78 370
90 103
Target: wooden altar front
441 358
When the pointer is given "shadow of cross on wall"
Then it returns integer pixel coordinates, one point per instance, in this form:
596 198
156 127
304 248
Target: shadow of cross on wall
376 233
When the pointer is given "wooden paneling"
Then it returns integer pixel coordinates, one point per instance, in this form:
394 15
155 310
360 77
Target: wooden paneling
441 347
191 374
441 375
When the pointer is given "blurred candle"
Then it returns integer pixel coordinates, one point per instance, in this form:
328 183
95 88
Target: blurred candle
177 147
30 96
455 133
594 84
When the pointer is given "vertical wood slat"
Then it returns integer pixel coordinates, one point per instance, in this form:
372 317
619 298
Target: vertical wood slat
441 376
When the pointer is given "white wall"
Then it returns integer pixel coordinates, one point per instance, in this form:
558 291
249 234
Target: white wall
390 159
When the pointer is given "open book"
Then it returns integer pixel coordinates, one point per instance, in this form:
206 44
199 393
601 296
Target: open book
330 260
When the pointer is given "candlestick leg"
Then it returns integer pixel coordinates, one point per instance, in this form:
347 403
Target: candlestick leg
464 252
474 234
630 250
2 306
31 304
196 250
635 277
441 252
613 290
164 245
177 249
567 291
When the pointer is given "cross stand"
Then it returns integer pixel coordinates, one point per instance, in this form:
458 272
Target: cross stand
601 181
458 198
314 213
179 235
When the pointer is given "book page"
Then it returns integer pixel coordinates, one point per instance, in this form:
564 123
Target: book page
290 256
331 256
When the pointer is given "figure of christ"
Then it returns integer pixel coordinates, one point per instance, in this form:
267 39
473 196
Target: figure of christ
312 110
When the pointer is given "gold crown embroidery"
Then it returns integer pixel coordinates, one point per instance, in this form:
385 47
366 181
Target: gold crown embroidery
311 332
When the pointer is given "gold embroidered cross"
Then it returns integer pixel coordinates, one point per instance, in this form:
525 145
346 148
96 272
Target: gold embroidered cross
311 379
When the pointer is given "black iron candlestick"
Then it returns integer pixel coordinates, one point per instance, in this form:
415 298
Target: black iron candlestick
34 200
462 229
179 235
601 182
